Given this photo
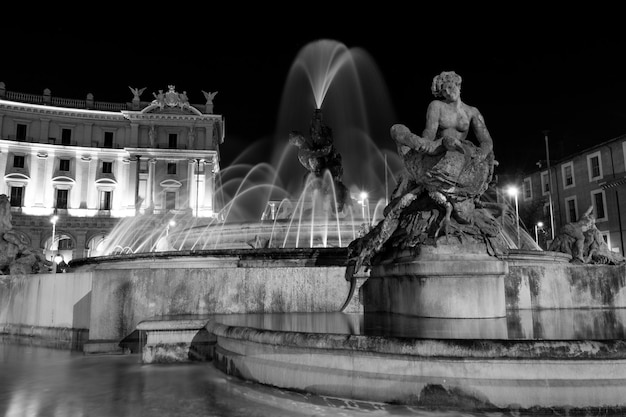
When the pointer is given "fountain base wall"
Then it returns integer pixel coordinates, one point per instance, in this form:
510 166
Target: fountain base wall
477 375
446 281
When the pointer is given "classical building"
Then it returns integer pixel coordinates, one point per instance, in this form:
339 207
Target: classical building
73 168
561 192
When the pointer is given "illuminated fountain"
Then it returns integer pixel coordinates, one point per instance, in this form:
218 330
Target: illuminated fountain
277 204
463 319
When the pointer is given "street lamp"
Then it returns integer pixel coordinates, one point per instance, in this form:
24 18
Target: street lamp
539 225
512 191
363 196
171 223
53 220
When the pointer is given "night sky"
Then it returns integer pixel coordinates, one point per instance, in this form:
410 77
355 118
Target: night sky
526 70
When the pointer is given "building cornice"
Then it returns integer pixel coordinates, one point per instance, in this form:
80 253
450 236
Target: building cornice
44 110
172 153
135 116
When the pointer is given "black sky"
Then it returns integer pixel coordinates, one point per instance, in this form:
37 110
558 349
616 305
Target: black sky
526 70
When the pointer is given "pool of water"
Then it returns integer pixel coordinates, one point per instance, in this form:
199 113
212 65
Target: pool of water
42 381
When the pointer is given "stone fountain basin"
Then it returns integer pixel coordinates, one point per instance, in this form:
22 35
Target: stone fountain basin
473 365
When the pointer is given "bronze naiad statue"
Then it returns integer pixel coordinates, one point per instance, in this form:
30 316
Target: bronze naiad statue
318 155
16 257
584 242
445 175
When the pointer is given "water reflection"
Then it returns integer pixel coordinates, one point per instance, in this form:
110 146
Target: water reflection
37 381
563 324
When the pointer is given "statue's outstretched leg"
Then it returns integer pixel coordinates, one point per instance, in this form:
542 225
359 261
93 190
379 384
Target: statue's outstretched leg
444 224
374 240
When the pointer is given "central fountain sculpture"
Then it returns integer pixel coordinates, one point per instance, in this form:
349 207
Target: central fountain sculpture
320 157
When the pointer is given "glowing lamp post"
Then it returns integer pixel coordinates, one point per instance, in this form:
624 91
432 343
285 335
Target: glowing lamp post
512 191
363 196
53 220
171 223
539 225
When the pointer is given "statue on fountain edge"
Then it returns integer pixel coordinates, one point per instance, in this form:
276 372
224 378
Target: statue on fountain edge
16 257
439 193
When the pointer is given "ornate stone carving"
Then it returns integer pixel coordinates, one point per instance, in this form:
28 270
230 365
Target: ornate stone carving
171 98
438 195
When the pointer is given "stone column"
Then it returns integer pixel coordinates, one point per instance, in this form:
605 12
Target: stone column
84 181
44 131
150 192
87 136
45 191
133 183
192 185
134 134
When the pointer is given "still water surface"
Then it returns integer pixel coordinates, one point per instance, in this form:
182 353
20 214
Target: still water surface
41 381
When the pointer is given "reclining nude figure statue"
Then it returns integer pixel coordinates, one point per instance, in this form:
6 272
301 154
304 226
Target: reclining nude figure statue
444 176
584 242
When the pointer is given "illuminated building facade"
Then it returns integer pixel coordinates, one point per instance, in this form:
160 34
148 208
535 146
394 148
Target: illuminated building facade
92 163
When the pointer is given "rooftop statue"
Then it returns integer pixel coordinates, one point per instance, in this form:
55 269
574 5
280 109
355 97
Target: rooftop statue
317 154
209 96
16 257
445 175
137 92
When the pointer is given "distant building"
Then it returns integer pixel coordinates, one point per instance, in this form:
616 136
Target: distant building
92 163
595 176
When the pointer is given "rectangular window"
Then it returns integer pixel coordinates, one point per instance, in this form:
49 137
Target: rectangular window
598 199
173 141
105 200
595 166
108 139
527 189
568 176
61 199
65 244
171 167
16 196
66 136
64 165
170 200
20 132
107 167
572 212
18 161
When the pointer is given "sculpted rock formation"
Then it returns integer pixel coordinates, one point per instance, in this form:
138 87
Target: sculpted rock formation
16 257
438 196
